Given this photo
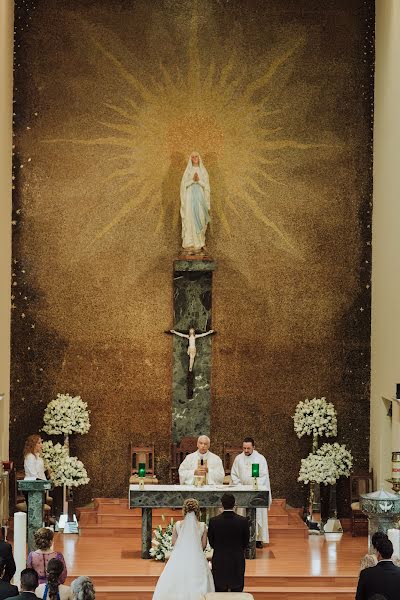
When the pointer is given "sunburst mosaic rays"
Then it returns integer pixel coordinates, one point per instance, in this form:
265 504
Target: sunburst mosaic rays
206 105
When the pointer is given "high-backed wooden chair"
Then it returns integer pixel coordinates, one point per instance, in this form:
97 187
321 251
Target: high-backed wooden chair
229 454
361 482
179 452
143 455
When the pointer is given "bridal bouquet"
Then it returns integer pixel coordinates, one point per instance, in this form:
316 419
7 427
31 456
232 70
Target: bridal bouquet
162 542
326 465
315 417
66 415
64 469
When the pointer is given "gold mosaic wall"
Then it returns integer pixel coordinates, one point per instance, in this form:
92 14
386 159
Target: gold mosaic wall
110 99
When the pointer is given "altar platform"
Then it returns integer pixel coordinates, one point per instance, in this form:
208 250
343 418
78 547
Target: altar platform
294 566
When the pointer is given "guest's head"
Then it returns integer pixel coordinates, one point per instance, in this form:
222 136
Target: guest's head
54 569
228 501
44 538
82 588
33 444
377 597
203 444
248 446
378 535
29 580
367 561
384 548
191 505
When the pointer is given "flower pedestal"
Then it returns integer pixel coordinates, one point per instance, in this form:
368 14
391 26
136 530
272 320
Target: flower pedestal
313 516
64 416
67 523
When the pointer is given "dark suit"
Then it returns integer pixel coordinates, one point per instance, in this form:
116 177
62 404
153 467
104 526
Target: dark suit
228 534
7 590
7 555
24 596
382 579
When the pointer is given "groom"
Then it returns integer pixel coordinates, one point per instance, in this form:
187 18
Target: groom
228 534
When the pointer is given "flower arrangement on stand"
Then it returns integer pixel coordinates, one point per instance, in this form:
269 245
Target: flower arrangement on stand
65 469
66 415
326 464
315 417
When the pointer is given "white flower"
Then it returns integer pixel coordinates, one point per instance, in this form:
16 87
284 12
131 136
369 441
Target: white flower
330 462
66 415
316 417
65 470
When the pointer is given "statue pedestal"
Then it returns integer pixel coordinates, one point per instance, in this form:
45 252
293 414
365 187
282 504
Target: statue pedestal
382 509
191 394
35 490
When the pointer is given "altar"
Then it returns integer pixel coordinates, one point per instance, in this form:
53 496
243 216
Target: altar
173 496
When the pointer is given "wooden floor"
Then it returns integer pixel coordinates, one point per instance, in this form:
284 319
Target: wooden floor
293 566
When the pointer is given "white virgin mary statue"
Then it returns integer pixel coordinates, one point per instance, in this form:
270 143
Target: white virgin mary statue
195 205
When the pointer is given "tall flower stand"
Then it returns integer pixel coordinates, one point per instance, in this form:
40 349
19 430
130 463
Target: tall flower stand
68 523
313 509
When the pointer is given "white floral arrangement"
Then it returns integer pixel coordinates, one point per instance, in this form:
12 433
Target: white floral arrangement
326 465
66 415
315 417
341 457
162 542
64 469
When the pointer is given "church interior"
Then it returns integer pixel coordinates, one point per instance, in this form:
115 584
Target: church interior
276 321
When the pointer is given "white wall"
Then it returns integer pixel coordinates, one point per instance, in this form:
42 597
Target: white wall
385 342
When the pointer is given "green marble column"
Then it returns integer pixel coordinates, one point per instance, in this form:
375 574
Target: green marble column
35 490
192 308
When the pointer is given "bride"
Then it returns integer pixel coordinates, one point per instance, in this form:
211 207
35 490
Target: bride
187 575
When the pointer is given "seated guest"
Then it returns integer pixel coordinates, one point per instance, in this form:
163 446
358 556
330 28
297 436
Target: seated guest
6 589
82 589
29 583
38 559
370 559
7 555
384 578
53 590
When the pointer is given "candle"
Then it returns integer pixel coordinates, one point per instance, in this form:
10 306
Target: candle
394 537
19 544
255 470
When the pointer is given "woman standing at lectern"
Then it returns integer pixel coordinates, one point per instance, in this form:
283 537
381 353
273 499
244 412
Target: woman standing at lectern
33 461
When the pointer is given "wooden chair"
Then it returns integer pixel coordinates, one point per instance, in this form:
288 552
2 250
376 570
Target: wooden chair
361 482
179 452
229 455
143 455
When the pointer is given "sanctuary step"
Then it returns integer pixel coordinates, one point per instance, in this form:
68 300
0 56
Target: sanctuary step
262 588
290 567
112 515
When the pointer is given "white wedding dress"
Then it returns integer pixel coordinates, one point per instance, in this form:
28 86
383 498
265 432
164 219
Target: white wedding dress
186 575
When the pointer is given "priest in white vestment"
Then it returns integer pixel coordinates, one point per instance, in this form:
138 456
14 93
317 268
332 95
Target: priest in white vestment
241 475
211 466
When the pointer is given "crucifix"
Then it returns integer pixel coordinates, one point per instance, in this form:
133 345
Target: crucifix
192 351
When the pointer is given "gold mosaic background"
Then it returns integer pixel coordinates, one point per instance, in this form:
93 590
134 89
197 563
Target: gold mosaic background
111 97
